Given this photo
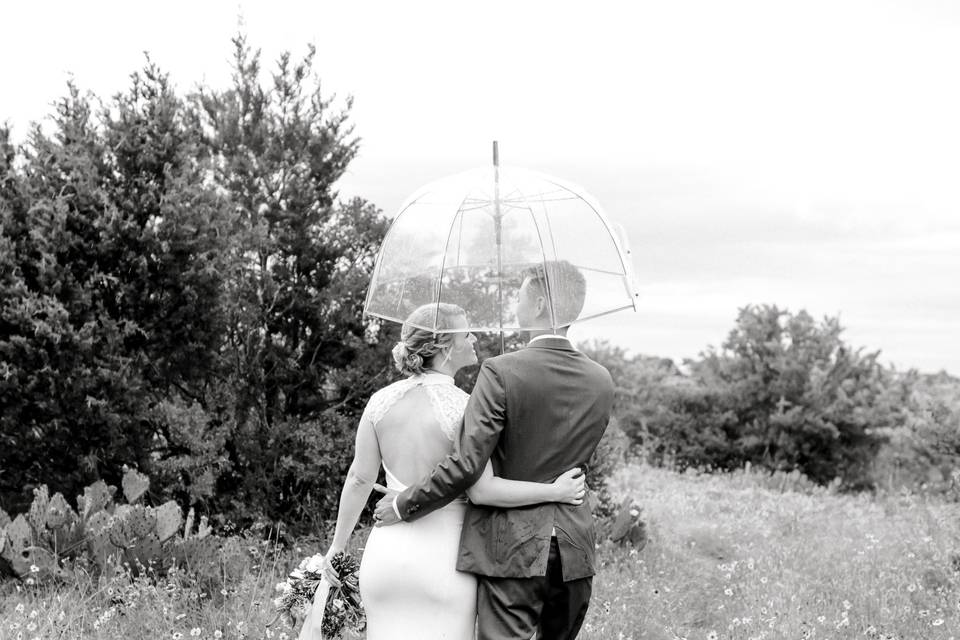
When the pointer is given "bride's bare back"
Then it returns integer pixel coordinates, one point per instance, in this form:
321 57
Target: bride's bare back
416 421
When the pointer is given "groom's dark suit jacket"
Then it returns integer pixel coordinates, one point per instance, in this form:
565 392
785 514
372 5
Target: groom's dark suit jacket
535 413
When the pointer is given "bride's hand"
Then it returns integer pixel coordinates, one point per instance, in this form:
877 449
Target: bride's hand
328 571
571 486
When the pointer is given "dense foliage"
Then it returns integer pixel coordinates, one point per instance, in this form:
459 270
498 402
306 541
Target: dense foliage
180 290
786 393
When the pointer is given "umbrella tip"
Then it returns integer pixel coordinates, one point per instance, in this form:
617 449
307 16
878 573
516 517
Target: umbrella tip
496 154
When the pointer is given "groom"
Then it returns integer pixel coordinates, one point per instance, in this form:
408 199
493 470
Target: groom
535 413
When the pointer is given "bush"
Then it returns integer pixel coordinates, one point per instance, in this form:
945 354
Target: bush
783 393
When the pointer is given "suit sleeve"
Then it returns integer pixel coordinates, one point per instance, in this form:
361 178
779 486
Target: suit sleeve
483 420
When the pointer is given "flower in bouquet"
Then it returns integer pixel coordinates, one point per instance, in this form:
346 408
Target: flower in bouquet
343 610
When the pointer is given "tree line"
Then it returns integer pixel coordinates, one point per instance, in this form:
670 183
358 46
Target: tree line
785 392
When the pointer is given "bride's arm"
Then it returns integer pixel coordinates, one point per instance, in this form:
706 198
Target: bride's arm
500 492
357 486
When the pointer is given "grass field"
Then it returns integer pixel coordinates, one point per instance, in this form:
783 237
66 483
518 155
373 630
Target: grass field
729 556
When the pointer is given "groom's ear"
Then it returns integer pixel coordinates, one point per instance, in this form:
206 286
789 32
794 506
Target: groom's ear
542 310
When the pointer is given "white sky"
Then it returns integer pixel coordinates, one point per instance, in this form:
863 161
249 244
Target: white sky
803 153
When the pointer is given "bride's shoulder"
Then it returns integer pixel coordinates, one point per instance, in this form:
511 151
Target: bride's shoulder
388 389
383 399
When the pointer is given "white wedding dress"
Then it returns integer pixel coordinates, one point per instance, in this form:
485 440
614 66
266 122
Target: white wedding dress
410 587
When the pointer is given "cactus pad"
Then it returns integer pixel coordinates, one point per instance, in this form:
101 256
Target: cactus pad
135 484
59 512
37 515
19 538
95 498
169 519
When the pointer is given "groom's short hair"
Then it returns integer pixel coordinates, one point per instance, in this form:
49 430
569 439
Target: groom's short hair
565 284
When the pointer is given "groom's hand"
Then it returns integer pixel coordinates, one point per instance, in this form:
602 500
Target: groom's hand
384 514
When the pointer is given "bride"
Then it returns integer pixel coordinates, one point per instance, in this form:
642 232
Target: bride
408 581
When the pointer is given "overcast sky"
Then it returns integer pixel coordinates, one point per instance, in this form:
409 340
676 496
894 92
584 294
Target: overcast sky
804 154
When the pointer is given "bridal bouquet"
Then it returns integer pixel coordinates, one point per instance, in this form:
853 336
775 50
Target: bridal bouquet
343 609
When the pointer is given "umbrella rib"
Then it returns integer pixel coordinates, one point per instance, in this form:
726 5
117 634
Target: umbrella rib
443 261
546 277
603 271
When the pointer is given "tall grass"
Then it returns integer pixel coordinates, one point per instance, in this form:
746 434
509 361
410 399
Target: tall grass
744 556
735 556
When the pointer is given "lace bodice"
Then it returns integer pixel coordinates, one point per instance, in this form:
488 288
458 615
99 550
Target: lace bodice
447 400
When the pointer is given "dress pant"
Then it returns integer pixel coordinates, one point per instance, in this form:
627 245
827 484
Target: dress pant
515 608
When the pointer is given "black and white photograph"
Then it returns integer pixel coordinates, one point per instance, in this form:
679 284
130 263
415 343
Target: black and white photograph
480 321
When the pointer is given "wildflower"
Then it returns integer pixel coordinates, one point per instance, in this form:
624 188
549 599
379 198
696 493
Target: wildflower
34 569
177 635
195 632
218 634
283 636
712 635
728 591
180 616
911 587
937 622
20 608
923 613
763 579
29 582
847 605
32 627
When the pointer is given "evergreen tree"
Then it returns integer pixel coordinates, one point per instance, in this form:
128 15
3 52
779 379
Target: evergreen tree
296 340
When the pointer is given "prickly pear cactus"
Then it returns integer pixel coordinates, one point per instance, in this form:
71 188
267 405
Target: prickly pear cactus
37 515
95 498
145 553
34 544
168 517
59 513
135 484
100 547
19 538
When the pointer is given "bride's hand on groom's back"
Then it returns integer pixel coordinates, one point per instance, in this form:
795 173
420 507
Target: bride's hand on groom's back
571 487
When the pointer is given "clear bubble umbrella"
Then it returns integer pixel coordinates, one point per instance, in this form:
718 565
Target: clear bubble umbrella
469 239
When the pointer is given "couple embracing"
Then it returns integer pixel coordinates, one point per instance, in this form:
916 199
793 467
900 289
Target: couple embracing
484 531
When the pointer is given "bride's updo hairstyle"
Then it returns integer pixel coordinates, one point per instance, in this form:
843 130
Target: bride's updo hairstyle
417 346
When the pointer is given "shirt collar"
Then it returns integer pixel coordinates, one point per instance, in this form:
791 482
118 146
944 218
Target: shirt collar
544 336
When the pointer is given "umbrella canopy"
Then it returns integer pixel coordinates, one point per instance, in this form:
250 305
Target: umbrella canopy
469 240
